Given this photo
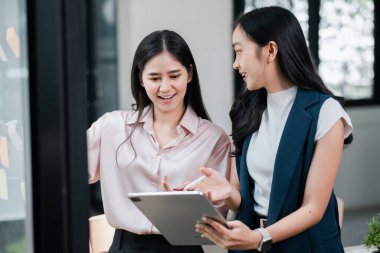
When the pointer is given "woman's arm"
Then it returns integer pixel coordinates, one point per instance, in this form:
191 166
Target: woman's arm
94 134
319 185
234 200
318 189
221 189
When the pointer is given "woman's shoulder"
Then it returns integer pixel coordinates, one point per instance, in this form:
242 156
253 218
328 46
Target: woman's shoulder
209 127
200 126
116 116
109 121
331 111
331 106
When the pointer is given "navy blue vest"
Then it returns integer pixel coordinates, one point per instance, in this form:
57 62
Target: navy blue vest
291 168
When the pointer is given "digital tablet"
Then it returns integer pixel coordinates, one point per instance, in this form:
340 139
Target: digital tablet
175 214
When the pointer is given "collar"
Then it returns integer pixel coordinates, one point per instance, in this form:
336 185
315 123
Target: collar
189 121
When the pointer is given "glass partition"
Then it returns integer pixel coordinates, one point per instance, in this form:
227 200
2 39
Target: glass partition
15 165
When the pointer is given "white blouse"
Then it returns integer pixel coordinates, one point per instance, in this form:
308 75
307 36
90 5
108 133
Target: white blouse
264 143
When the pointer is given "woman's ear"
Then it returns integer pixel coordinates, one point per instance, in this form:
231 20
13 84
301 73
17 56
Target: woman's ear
272 51
190 74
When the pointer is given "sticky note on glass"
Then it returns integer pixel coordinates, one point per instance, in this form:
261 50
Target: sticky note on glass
4 155
13 41
3 184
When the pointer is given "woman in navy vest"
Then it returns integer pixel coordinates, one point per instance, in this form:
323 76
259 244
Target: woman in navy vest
289 131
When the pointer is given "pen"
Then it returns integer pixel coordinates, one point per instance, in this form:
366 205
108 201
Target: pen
196 181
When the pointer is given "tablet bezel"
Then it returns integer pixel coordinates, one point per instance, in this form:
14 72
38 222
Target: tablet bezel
176 213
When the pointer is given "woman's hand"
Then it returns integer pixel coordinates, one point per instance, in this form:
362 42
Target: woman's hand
167 188
165 184
215 186
238 236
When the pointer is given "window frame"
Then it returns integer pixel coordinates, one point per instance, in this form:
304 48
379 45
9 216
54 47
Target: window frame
313 34
57 38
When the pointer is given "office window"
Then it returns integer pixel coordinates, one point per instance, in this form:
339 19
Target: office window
346 47
102 86
342 39
102 81
15 185
298 7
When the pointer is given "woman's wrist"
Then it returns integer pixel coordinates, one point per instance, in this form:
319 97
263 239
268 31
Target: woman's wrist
232 198
256 239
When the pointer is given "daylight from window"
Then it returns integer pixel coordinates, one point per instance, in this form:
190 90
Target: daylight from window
346 47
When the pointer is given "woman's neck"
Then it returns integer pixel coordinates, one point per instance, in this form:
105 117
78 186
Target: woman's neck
279 86
277 81
171 118
165 125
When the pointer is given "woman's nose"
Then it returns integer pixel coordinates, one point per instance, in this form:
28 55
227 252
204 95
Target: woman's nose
235 65
165 85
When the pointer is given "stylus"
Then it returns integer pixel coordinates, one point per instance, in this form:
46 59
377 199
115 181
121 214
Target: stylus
196 181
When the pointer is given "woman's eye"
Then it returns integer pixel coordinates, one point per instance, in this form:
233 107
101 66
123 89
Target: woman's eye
154 79
174 77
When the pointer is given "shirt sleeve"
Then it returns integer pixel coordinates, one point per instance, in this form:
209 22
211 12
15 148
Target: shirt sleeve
331 111
220 158
220 161
94 136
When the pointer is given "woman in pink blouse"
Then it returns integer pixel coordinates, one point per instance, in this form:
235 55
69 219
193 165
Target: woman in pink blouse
168 134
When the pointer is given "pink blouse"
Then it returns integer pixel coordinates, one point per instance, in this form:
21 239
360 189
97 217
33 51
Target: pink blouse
140 165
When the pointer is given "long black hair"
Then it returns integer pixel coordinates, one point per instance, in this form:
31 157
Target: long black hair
152 45
276 24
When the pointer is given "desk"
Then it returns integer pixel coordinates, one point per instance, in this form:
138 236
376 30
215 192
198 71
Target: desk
358 249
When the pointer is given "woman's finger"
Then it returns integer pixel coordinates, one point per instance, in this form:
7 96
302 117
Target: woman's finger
210 233
206 171
234 224
186 183
165 184
217 226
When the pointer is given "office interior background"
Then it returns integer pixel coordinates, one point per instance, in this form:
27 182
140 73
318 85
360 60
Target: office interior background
63 63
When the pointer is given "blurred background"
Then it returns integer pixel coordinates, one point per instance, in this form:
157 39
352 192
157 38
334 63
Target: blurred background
65 63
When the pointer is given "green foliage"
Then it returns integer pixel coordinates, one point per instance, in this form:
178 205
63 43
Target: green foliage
16 247
372 238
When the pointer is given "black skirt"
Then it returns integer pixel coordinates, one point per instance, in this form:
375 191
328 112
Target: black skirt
127 242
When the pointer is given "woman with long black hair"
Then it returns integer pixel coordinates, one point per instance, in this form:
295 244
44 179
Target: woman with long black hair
165 136
289 131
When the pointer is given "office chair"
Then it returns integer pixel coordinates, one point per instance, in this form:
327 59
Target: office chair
101 234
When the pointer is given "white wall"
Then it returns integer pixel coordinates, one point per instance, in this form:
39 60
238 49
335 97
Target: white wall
205 25
358 179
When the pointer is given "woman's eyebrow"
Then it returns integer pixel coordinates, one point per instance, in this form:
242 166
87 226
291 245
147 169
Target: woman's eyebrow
174 71
153 74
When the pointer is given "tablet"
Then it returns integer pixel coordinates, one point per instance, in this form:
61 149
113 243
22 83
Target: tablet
175 214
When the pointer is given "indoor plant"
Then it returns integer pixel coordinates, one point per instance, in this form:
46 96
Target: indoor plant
372 238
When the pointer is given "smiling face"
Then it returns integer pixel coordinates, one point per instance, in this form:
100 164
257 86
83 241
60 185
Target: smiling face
165 81
249 60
